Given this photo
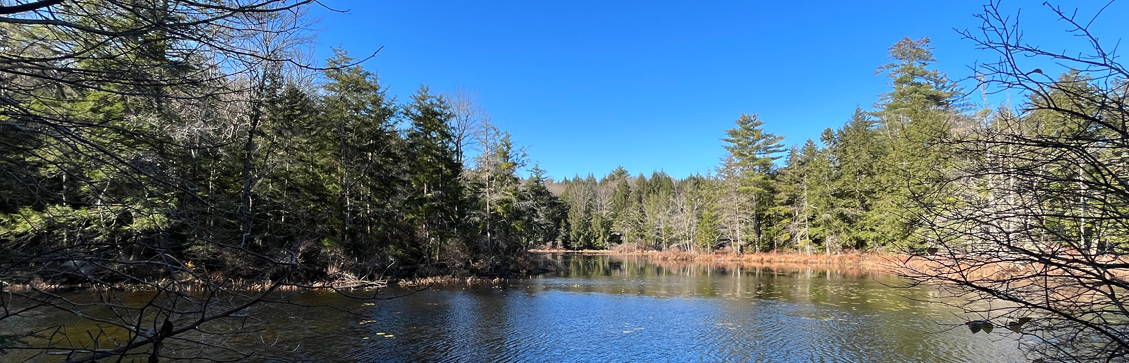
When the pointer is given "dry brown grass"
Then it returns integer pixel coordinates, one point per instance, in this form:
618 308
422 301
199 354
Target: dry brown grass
778 267
1014 272
874 261
579 252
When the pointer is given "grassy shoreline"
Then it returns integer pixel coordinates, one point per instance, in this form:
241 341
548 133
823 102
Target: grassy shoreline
874 262
880 262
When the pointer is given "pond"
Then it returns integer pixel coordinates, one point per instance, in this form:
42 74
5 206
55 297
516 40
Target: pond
612 308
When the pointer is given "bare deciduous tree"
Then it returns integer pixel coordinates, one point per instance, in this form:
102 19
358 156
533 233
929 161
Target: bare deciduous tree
470 120
1029 229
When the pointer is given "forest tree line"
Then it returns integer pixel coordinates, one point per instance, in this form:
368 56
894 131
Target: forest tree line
139 155
346 176
871 184
326 166
193 153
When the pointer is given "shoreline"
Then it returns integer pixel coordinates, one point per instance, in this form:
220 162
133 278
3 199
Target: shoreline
880 262
874 262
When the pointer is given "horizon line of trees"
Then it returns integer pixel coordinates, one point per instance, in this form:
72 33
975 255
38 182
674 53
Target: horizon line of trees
863 186
850 191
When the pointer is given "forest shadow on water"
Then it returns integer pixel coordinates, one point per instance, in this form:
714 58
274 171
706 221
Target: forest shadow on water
625 308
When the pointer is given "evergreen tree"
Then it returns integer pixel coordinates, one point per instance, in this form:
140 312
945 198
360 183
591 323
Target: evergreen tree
857 183
793 208
624 208
709 221
916 119
544 212
753 152
497 188
579 196
601 216
369 179
915 86
435 200
294 185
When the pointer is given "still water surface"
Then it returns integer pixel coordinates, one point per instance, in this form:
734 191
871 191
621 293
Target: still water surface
624 309
615 309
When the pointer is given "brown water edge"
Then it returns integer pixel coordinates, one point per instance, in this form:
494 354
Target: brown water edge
851 263
860 261
936 268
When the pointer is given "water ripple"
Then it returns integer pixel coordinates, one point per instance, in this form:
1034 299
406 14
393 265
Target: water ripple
620 316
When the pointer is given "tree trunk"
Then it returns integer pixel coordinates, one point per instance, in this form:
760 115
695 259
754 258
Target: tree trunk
248 156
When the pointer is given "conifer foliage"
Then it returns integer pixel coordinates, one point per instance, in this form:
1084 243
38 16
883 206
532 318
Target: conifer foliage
857 189
182 148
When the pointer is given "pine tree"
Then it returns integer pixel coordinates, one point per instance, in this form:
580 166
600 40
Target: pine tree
579 196
793 208
623 207
753 152
915 117
915 86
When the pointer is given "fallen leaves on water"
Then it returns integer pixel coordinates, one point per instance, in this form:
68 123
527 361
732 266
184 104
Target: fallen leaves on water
977 325
1017 325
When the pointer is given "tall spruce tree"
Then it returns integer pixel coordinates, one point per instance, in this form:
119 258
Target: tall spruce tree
435 199
544 213
369 178
856 183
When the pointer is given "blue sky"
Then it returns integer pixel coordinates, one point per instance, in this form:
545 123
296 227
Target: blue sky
590 85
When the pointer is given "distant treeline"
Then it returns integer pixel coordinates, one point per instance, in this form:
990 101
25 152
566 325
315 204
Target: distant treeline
863 186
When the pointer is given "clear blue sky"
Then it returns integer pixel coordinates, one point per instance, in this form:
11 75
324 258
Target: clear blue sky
590 85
